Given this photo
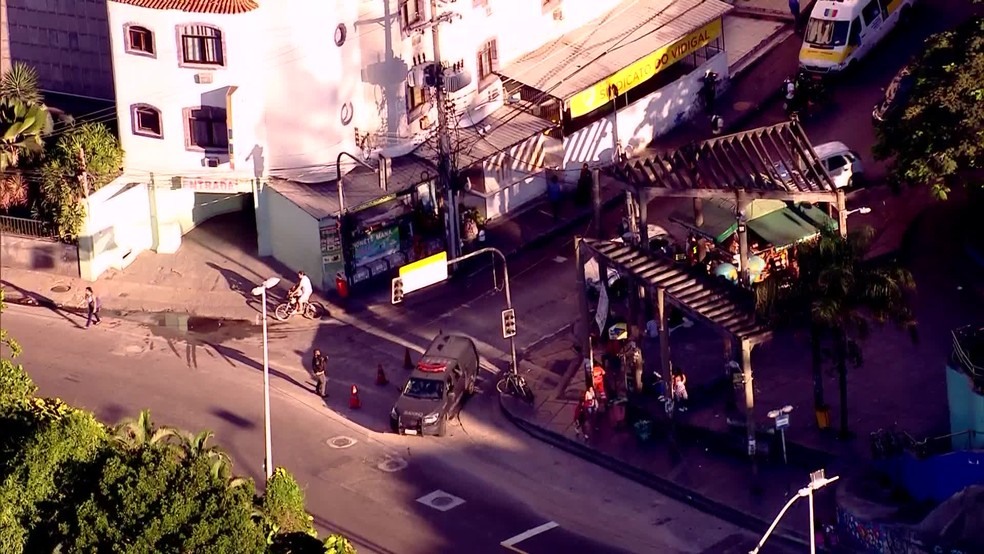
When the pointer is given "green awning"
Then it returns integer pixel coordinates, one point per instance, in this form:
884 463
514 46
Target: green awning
816 216
782 228
719 222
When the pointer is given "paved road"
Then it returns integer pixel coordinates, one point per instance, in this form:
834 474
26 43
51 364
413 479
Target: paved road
492 484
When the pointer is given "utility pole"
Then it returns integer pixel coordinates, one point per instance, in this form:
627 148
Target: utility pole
446 173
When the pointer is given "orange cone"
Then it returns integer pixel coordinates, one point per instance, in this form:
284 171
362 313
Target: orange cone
354 402
407 362
381 376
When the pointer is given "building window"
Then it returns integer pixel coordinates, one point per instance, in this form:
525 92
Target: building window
206 129
488 61
139 40
411 12
201 45
146 121
416 99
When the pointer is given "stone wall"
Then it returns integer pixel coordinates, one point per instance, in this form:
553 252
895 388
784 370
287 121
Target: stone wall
67 41
39 255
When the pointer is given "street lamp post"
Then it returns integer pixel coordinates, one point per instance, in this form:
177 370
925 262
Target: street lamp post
817 481
781 417
338 175
261 291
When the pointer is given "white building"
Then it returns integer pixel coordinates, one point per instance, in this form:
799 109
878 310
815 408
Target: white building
218 99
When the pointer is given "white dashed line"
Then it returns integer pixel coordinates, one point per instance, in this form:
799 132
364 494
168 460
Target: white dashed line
511 543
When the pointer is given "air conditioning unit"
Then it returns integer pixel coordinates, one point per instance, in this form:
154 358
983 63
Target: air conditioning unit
211 161
558 14
425 123
204 78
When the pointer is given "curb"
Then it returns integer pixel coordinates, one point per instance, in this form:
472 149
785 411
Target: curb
663 486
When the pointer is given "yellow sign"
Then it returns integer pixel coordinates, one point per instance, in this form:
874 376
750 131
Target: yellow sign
425 272
637 73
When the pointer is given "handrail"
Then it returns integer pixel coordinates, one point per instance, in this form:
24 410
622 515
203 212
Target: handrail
25 227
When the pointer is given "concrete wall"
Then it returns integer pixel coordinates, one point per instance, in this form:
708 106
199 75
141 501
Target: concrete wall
48 256
67 41
294 236
117 227
639 123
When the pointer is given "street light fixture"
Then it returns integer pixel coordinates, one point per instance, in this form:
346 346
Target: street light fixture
261 291
863 210
817 481
781 417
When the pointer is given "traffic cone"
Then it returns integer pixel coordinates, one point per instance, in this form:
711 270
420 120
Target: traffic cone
381 376
354 402
407 362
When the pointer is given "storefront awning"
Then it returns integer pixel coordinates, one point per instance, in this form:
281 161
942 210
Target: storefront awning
782 228
624 47
361 187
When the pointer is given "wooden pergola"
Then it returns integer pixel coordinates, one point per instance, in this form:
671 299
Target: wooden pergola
775 162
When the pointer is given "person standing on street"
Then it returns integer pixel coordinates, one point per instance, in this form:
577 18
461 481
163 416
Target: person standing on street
92 305
794 9
319 364
585 183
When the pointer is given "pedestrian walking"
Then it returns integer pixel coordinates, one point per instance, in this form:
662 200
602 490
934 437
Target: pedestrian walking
319 364
717 124
794 8
584 413
92 305
554 195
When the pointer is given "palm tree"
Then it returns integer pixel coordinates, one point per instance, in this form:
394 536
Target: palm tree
20 83
21 128
140 432
839 294
191 446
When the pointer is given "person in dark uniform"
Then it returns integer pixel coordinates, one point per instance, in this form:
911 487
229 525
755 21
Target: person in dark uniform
319 364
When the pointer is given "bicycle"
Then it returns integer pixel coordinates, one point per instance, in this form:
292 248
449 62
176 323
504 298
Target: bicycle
515 385
313 310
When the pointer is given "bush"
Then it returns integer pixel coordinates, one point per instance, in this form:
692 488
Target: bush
282 504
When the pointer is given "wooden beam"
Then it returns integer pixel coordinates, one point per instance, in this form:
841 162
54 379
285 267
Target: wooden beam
652 193
664 339
842 212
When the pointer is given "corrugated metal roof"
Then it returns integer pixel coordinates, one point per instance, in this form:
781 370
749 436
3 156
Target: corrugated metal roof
626 34
359 186
507 127
719 303
196 6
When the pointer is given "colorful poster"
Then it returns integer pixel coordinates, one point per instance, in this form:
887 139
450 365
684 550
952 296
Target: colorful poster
378 244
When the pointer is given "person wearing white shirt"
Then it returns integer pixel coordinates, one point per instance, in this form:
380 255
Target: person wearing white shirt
304 291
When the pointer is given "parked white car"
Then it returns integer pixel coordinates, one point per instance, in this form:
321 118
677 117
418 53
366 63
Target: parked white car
842 163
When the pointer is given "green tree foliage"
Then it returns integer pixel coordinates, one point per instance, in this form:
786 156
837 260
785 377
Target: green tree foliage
937 137
22 127
834 290
43 442
85 158
16 386
152 501
283 504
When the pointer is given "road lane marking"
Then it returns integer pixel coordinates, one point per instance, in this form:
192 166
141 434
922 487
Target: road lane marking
511 543
441 501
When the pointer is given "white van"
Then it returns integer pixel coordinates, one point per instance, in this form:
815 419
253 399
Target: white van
841 163
841 32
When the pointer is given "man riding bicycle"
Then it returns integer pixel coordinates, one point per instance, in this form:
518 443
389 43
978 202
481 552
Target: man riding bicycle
302 291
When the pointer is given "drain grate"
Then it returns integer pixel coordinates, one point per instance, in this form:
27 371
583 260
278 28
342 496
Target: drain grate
341 442
61 288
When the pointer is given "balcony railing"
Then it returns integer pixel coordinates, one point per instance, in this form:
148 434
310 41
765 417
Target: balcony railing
25 227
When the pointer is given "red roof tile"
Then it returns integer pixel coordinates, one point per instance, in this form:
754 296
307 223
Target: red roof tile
196 6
